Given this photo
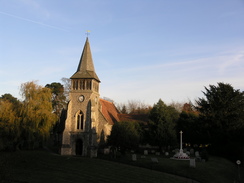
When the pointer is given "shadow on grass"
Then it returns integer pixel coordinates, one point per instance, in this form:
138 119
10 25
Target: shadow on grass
215 170
43 166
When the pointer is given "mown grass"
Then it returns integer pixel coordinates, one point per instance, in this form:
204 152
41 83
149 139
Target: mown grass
42 166
217 169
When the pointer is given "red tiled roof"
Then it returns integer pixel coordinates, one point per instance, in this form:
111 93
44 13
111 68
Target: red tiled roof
109 111
142 118
112 115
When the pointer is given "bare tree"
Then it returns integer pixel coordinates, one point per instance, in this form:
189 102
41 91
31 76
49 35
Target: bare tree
67 86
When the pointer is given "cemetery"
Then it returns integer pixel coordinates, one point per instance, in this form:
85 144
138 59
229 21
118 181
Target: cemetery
196 168
43 166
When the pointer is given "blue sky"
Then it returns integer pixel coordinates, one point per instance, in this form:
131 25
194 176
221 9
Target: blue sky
143 50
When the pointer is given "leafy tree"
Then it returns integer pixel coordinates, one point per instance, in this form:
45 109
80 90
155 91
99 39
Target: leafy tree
222 113
162 124
37 118
9 124
125 136
10 98
58 97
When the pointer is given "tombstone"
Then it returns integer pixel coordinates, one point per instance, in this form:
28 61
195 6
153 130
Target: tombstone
143 157
184 150
154 160
145 152
158 153
106 151
152 151
192 162
192 151
166 153
188 153
133 157
197 155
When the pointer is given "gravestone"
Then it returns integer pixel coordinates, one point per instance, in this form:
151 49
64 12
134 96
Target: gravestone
145 152
106 151
197 154
157 153
154 160
192 162
133 157
166 153
192 151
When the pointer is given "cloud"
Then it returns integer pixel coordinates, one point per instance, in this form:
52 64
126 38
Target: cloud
33 21
231 61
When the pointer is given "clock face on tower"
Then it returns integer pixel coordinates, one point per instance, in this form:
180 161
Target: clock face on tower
81 98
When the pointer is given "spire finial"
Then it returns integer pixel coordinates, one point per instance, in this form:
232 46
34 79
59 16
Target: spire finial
87 33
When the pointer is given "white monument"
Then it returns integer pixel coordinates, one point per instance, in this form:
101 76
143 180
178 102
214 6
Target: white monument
181 155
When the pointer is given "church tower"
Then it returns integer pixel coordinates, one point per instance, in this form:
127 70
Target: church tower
82 122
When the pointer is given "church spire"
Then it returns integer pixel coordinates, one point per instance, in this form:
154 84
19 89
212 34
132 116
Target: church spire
86 67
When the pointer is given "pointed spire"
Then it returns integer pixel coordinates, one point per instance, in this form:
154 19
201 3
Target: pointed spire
86 67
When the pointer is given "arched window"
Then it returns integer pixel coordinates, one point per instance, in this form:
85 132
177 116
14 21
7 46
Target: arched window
80 121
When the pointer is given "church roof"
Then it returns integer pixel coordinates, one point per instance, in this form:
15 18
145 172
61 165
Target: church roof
141 118
109 111
86 67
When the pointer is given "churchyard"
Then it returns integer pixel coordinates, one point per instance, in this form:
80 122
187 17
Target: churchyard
44 166
215 169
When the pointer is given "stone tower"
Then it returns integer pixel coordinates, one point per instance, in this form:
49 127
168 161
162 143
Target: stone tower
81 130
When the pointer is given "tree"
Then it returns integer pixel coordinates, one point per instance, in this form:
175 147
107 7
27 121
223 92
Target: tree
10 98
58 97
162 124
9 124
125 136
37 118
222 113
67 86
222 110
133 107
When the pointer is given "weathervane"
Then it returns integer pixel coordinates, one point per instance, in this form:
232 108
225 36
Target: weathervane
87 33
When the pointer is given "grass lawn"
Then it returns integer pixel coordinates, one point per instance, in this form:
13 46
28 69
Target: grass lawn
217 169
42 166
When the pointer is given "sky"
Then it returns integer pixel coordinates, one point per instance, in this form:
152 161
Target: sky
143 50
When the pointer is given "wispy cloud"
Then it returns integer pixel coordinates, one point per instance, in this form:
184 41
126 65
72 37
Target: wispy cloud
231 61
32 21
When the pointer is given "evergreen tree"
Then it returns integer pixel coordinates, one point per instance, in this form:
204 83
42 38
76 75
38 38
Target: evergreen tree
162 124
221 111
125 136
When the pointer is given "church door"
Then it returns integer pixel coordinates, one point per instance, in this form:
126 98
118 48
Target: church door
79 147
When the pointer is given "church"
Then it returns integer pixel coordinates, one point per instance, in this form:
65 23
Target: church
88 120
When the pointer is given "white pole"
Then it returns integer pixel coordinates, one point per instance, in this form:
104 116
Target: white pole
181 139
